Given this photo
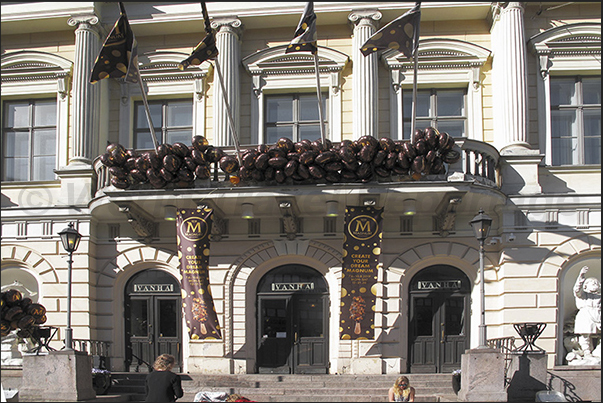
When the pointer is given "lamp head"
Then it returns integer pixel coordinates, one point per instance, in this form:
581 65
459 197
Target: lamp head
70 238
481 225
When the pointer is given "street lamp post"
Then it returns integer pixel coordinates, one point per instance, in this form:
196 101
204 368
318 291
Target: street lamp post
481 227
71 240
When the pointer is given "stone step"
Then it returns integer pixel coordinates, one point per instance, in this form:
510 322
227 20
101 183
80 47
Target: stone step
294 388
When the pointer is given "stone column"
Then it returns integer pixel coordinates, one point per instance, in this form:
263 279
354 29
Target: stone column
229 58
510 78
365 86
84 126
519 162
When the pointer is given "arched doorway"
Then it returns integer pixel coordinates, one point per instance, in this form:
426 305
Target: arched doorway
439 319
293 306
153 319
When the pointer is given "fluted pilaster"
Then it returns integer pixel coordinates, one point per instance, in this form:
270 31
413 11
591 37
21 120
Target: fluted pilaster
229 60
365 86
510 82
84 123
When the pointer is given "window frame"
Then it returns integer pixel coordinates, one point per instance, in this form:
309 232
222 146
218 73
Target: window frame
164 81
273 71
566 50
433 106
296 121
442 64
31 130
161 130
28 75
579 156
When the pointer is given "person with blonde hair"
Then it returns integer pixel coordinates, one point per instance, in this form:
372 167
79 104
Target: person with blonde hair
162 385
401 391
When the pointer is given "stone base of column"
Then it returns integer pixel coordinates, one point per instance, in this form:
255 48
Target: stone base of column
482 376
528 375
59 376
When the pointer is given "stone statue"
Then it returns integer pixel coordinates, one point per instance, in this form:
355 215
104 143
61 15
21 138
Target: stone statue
588 319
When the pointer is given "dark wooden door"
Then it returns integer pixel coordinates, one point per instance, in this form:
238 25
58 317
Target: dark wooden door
153 319
438 334
293 334
310 349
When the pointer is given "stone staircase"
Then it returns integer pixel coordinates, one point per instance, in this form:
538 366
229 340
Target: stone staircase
291 388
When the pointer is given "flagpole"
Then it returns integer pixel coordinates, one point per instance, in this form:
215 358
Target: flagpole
230 119
319 95
414 95
414 81
147 110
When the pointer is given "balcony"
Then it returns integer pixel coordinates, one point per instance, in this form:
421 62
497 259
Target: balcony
478 163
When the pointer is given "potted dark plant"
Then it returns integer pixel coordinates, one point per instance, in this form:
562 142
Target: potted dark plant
456 380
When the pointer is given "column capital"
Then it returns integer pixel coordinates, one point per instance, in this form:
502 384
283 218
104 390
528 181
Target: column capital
365 17
228 24
82 21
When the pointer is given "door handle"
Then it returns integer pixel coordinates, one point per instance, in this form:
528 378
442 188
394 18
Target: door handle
443 335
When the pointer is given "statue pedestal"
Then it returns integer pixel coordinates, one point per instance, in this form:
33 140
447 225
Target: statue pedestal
59 376
528 375
482 376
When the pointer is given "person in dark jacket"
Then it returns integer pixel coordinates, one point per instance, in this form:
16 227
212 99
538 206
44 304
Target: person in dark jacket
162 385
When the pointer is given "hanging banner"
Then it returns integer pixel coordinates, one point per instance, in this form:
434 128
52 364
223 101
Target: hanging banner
193 227
362 236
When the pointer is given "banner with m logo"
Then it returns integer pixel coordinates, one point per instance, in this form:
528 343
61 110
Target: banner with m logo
193 227
361 250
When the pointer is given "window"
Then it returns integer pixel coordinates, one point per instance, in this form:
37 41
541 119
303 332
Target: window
274 74
443 109
569 94
29 146
450 88
294 116
576 120
173 121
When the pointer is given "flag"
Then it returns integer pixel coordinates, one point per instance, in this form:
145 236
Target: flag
118 58
401 34
305 34
205 50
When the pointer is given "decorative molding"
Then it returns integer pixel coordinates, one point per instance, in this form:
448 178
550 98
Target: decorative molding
140 220
289 215
446 213
564 43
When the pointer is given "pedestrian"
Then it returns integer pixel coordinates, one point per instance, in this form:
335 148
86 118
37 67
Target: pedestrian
162 385
401 391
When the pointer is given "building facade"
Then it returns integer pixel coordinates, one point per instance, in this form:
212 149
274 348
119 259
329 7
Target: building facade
516 85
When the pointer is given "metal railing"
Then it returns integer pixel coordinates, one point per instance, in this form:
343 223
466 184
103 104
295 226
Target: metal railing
98 349
506 345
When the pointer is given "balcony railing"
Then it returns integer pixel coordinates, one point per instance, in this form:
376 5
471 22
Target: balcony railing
478 163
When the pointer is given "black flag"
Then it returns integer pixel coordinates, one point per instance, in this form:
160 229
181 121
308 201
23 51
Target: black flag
305 34
118 58
205 50
401 34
